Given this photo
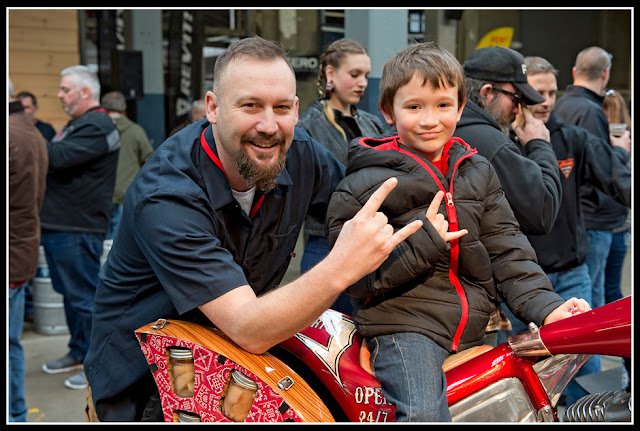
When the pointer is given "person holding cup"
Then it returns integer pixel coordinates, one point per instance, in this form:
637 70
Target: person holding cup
581 105
619 118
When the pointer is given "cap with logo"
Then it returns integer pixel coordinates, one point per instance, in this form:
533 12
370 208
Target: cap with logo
499 64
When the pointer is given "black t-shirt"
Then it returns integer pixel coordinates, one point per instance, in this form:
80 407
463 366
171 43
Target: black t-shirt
348 124
183 241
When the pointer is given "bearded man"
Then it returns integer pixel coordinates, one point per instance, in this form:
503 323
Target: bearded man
209 226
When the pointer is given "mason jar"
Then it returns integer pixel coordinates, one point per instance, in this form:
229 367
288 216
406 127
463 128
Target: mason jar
182 371
239 397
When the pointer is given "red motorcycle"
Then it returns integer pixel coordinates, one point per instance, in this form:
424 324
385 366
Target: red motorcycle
323 374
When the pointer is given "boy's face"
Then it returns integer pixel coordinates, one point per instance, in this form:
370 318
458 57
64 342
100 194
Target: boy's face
425 117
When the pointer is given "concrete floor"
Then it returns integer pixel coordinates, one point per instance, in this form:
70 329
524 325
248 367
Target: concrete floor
48 400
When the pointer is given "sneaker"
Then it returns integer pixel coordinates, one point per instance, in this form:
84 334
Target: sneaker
78 381
62 365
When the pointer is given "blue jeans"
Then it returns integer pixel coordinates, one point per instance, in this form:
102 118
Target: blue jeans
620 242
599 246
74 263
573 283
114 221
17 404
316 249
409 367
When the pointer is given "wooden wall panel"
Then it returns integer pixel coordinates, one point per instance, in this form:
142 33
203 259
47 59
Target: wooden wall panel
41 44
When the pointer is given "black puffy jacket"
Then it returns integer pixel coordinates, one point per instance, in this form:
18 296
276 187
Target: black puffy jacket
413 291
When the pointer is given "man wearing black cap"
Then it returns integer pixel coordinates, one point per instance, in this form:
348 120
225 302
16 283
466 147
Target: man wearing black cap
496 81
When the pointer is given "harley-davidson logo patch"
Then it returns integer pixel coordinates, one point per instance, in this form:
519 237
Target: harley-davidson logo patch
566 166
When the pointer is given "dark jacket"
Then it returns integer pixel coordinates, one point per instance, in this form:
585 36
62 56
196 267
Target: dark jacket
83 158
582 159
582 107
412 290
27 172
316 124
531 182
184 241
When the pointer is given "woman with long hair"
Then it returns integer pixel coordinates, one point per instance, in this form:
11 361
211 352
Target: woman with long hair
617 111
333 120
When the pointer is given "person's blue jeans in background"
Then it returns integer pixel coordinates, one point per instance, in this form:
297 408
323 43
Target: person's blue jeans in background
599 247
74 263
114 221
315 249
409 367
17 404
620 242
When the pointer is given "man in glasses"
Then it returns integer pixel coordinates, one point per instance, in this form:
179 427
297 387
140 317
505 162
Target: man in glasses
497 85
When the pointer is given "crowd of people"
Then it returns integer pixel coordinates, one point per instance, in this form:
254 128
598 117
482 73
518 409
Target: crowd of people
204 227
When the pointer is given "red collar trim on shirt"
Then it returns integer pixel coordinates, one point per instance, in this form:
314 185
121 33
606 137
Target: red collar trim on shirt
210 152
216 160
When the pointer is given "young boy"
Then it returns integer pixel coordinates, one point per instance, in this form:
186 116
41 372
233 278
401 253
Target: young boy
434 293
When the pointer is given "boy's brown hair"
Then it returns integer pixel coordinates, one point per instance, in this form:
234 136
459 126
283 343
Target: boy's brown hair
435 65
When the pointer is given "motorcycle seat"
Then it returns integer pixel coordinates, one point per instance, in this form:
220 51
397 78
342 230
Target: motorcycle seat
452 360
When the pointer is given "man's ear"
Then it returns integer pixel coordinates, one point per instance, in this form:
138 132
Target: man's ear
485 90
211 103
85 93
486 94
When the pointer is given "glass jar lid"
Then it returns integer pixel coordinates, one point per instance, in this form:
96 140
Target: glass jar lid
188 417
180 353
243 380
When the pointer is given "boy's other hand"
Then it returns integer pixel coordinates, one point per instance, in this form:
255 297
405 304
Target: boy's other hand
568 309
438 221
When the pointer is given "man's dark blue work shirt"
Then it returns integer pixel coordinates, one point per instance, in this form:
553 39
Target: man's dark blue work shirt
183 241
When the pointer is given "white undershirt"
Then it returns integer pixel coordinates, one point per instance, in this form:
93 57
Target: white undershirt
245 199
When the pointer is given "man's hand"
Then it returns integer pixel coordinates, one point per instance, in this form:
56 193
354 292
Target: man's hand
568 309
532 128
438 221
258 323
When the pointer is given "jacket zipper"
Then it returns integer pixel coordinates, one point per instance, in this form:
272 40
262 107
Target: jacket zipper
455 249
